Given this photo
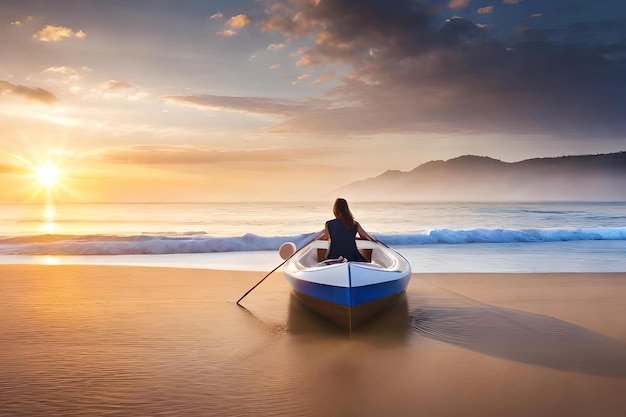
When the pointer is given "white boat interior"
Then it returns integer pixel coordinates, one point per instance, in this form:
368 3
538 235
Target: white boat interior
375 253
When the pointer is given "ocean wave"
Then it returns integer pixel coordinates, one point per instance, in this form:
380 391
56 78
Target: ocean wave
155 244
447 236
140 244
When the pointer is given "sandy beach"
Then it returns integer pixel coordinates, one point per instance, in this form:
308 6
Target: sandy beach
139 341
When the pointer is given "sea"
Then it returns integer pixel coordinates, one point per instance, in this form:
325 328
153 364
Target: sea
529 237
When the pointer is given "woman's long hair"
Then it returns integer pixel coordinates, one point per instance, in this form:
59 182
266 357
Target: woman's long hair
342 212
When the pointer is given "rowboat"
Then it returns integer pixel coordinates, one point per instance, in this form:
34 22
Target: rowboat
347 293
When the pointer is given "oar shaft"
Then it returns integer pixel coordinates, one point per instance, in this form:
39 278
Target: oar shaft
317 235
258 283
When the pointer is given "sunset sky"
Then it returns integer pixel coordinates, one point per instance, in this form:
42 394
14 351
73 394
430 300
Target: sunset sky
228 100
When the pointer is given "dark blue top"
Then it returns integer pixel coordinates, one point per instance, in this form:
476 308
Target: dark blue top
342 241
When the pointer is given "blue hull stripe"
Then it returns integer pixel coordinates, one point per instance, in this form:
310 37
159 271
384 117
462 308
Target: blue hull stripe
349 297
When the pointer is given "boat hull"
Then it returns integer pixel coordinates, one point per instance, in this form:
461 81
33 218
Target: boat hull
350 293
347 317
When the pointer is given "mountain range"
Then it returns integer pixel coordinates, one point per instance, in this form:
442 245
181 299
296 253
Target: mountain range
600 177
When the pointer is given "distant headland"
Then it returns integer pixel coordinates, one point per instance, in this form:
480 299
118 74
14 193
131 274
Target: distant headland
600 177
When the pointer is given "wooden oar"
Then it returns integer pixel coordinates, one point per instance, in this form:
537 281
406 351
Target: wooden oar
317 235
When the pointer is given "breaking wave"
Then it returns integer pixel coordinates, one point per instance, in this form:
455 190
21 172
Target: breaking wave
154 244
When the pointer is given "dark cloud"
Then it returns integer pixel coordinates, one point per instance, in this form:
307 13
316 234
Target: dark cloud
415 70
348 30
36 94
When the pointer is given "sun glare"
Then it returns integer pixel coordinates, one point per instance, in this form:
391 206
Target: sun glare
47 175
47 178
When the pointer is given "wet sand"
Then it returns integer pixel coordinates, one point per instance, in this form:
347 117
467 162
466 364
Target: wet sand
133 341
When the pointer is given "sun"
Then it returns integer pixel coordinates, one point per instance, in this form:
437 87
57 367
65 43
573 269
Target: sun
45 178
48 175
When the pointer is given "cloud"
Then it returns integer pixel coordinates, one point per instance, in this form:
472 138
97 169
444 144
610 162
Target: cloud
485 10
306 59
412 72
216 16
51 33
300 78
325 77
116 90
233 24
65 74
12 169
20 22
275 46
61 70
116 85
227 33
255 105
190 155
35 94
458 4
239 21
344 30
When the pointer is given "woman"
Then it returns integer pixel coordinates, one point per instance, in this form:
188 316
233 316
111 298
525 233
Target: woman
342 232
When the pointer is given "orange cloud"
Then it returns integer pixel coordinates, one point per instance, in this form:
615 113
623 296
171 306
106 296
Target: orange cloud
66 73
227 33
300 78
275 46
486 9
239 21
458 4
235 22
116 85
325 77
12 169
184 154
307 60
51 33
61 70
36 94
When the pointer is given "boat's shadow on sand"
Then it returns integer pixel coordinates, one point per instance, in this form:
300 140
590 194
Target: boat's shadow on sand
510 334
519 336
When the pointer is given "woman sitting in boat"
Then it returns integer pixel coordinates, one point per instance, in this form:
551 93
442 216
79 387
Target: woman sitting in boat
342 231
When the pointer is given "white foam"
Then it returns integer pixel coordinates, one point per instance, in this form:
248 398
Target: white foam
516 257
160 245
